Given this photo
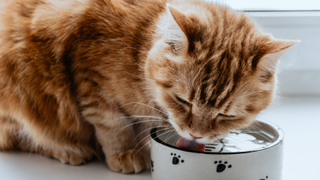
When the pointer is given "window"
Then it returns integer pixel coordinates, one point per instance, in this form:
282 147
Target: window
290 19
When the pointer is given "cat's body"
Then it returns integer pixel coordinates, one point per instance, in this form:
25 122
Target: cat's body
76 72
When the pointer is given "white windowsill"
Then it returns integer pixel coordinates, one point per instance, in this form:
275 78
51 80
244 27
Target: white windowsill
299 117
279 5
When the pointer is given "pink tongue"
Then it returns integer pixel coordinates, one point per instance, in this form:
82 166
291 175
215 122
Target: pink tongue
190 145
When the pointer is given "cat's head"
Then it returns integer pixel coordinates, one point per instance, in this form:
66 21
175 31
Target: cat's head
212 70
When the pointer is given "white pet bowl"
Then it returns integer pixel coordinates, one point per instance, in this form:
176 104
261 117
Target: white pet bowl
254 153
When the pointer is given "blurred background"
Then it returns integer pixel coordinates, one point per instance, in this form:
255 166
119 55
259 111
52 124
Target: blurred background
299 73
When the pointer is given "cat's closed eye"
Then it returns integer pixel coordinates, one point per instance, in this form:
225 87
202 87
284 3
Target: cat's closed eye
180 100
226 117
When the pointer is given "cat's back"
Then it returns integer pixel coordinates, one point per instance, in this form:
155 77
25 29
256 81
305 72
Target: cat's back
35 38
24 22
35 87
32 38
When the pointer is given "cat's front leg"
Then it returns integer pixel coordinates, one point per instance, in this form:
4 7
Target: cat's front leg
117 136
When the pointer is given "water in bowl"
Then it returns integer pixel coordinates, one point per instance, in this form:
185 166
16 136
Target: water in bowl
257 137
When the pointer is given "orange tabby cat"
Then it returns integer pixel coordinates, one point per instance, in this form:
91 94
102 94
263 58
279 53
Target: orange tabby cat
76 74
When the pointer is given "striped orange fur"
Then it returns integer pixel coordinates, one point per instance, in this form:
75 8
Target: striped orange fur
79 75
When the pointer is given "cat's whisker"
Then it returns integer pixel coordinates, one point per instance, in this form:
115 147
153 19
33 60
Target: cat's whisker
149 141
142 70
132 117
138 122
257 124
178 137
168 133
155 117
254 126
137 136
146 138
142 147
168 137
139 103
247 94
137 116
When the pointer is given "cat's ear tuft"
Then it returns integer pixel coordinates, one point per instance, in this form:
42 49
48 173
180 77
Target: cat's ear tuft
177 17
275 51
179 29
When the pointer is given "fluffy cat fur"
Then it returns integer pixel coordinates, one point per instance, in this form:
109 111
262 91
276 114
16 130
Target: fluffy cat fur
78 74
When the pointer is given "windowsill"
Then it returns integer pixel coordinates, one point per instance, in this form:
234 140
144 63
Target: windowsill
283 5
299 117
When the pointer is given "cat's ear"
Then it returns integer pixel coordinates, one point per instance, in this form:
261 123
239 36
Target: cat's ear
275 51
179 29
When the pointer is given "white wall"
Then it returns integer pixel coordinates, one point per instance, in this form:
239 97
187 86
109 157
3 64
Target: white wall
290 19
271 4
300 67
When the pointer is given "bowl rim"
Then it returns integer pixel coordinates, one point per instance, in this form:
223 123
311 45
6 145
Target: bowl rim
276 142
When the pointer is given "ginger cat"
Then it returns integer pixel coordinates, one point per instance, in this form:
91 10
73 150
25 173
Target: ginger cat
79 74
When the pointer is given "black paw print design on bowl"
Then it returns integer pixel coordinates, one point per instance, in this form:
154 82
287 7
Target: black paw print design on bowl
265 178
222 166
152 166
176 159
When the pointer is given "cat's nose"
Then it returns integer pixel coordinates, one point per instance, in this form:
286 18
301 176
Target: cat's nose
195 137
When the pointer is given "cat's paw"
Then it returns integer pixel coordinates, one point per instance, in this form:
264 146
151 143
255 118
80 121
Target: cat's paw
131 161
67 157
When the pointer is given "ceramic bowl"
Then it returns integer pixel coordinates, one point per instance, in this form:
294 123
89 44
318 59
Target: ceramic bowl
254 153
